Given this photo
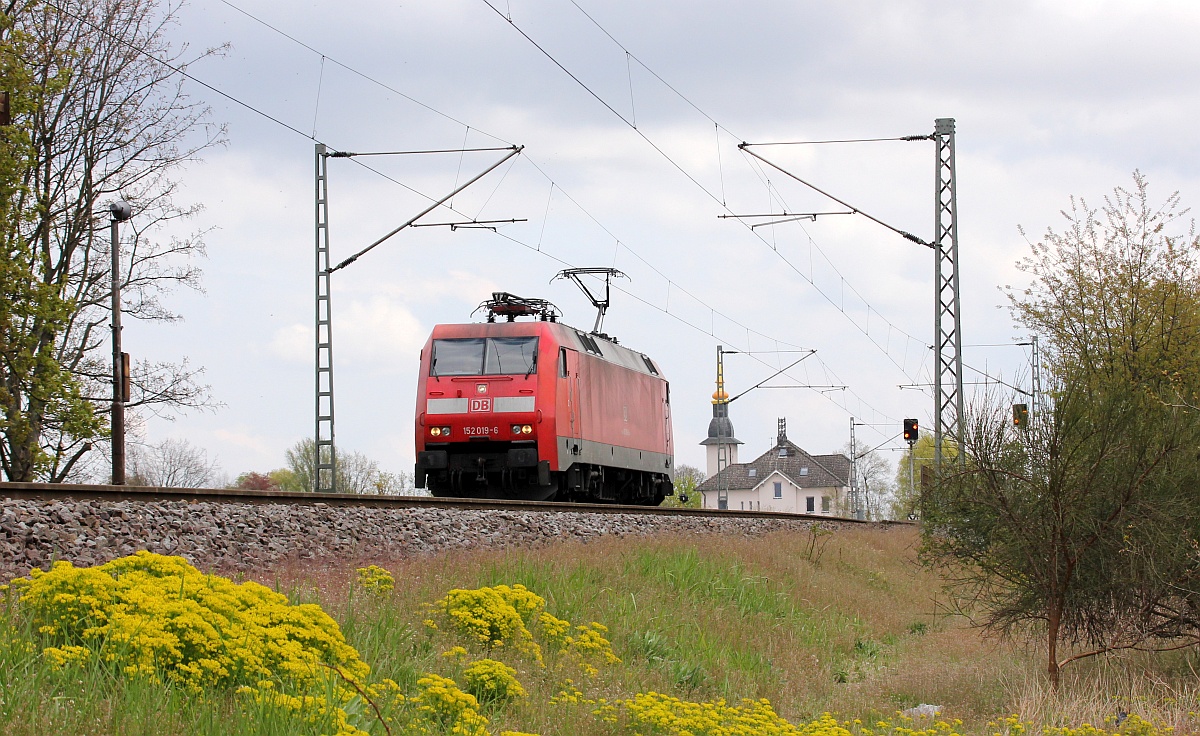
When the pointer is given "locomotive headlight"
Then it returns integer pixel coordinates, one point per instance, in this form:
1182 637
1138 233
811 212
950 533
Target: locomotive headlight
526 429
445 431
516 429
435 431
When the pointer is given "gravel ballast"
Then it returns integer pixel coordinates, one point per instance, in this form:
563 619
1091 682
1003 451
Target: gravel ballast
255 536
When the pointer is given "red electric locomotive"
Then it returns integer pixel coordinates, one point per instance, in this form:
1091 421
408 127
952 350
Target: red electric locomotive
539 410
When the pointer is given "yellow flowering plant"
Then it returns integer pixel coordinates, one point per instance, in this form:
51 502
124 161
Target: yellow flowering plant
441 703
375 581
493 682
159 617
490 617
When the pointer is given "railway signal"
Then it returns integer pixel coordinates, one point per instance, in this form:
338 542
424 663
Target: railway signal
1020 414
911 430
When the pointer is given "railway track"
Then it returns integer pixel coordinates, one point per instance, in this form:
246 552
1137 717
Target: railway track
64 491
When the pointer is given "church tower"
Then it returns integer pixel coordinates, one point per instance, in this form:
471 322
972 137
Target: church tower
721 445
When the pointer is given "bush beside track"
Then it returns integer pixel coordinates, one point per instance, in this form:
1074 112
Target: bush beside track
243 536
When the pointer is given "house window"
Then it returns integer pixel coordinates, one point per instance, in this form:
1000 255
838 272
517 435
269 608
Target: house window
753 472
778 490
803 471
810 504
825 504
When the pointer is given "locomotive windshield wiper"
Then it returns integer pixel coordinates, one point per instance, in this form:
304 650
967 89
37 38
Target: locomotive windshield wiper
532 364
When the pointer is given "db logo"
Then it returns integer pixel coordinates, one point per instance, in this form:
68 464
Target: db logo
481 405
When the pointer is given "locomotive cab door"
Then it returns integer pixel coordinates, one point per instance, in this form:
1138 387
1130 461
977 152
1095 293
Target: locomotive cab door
569 420
568 373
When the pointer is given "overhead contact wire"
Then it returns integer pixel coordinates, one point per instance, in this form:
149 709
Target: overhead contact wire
508 18
662 153
179 69
354 71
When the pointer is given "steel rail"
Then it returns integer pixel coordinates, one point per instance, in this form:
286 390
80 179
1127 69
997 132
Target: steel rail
64 491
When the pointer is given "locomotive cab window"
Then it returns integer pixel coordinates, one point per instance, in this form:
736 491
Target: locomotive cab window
510 355
478 356
562 362
460 357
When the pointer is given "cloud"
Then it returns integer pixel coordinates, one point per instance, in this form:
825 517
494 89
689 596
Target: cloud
293 343
379 330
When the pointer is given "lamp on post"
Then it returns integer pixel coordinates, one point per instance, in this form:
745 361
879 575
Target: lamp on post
120 212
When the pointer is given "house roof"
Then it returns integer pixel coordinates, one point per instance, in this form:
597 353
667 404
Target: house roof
824 471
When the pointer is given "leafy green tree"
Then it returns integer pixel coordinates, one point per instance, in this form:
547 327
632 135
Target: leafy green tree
1116 296
37 393
96 115
1078 528
284 480
687 477
905 501
1083 525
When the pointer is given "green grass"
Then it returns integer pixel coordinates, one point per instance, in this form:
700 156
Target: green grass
857 631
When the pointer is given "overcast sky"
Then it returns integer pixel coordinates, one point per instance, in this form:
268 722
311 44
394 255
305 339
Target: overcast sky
630 164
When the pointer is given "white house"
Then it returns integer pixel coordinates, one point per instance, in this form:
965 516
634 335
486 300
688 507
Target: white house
785 478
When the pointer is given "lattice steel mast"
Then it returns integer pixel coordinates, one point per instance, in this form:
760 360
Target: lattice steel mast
855 501
325 462
1035 406
947 382
325 455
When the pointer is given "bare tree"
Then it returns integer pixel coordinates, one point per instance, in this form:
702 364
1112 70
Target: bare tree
356 473
172 463
104 117
873 479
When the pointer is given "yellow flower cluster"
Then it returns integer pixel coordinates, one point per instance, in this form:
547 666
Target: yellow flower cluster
587 640
492 682
458 654
376 581
905 727
553 627
66 655
1131 725
492 617
442 703
158 616
314 709
664 714
502 616
659 714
